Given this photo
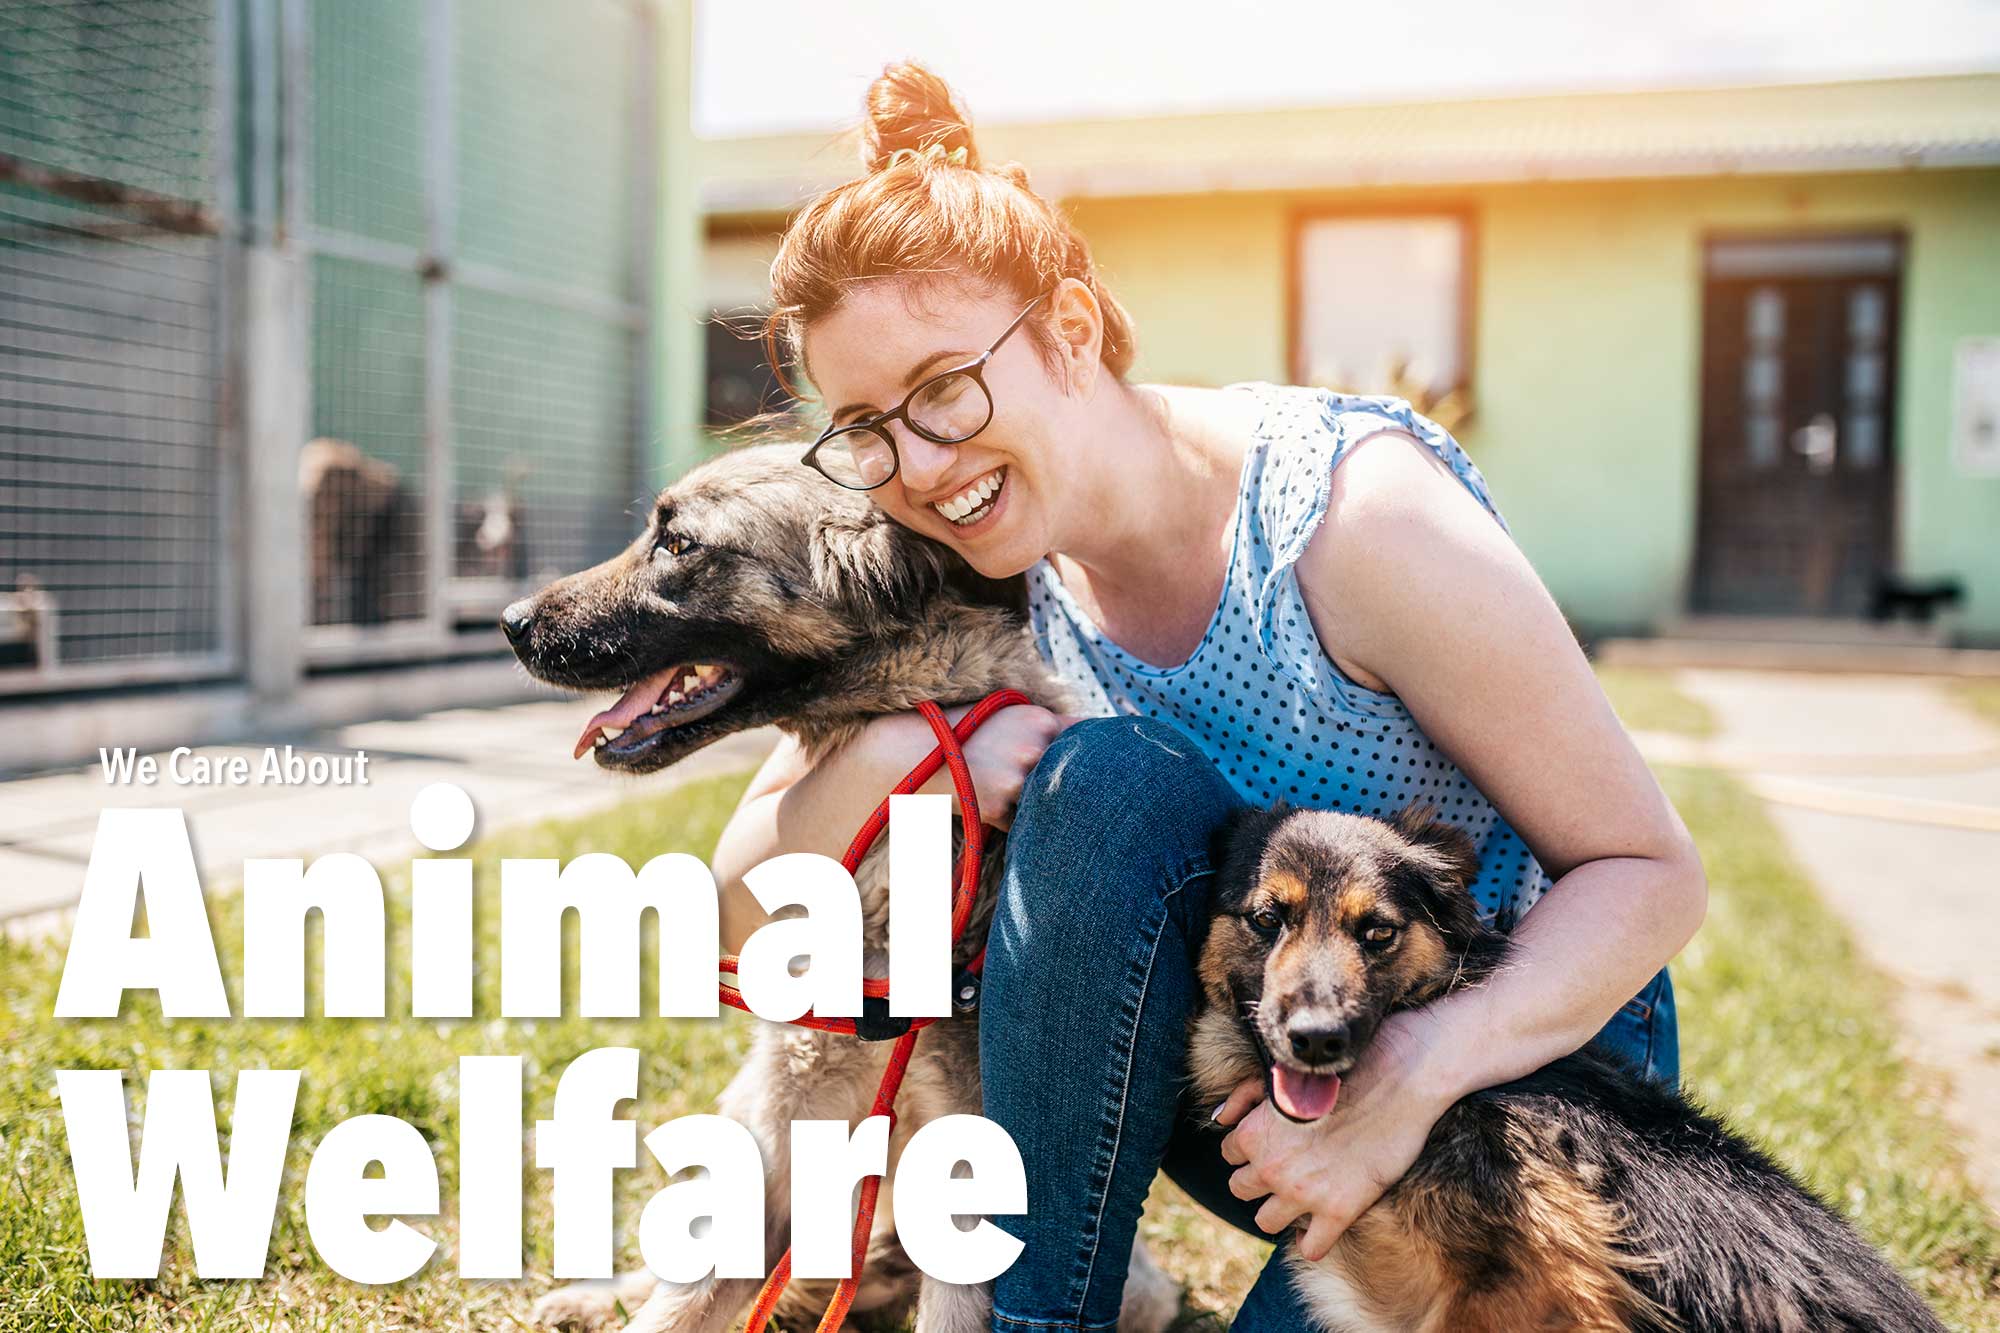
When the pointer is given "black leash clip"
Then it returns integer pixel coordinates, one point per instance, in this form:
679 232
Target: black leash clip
874 1024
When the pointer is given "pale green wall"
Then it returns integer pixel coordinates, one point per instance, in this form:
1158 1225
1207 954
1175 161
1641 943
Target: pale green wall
1949 522
1586 351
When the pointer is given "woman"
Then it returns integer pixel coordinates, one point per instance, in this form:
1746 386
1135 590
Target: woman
1265 593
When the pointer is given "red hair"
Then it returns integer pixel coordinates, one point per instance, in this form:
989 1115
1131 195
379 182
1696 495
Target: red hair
926 208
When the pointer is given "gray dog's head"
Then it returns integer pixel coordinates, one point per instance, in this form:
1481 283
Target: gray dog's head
753 592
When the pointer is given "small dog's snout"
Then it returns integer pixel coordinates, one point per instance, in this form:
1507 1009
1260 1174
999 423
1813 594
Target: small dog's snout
517 618
1318 1046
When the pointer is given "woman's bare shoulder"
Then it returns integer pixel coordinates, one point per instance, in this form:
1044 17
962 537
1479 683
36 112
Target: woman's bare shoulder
1399 528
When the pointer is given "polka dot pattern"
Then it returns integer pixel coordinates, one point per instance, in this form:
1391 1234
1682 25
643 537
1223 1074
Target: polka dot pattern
1259 694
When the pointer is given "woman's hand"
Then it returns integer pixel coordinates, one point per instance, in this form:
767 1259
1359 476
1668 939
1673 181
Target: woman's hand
1332 1170
1000 754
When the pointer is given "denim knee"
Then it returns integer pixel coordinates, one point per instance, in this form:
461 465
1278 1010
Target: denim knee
1118 807
1089 978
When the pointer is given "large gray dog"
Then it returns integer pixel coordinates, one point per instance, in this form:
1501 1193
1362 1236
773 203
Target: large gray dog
760 593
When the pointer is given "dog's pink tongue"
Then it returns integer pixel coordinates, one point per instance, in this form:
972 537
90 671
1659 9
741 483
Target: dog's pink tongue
1304 1096
634 704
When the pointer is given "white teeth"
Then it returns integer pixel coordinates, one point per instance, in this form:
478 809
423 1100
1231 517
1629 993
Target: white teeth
657 708
610 733
601 741
969 500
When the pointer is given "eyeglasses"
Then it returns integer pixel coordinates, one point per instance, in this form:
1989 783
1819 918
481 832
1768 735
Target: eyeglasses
948 408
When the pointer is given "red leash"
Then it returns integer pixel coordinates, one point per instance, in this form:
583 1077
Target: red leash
949 753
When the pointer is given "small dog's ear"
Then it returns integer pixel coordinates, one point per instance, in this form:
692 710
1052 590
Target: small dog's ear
1236 848
866 558
1445 852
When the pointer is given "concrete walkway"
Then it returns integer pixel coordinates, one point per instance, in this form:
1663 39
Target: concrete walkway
1888 794
513 760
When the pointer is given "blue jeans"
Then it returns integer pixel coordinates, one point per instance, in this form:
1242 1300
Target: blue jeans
1089 982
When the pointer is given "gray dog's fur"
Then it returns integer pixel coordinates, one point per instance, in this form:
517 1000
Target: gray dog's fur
828 614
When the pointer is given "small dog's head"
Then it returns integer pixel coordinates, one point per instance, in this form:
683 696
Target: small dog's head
754 582
1323 925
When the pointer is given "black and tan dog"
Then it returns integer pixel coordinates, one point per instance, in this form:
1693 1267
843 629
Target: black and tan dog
761 593
1582 1197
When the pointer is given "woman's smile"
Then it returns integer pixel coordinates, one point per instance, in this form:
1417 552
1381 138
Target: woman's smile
969 508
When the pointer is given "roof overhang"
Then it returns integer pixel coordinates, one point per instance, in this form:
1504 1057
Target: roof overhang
1877 125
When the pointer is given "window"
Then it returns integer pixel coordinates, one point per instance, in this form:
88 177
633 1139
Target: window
1382 305
736 281
741 384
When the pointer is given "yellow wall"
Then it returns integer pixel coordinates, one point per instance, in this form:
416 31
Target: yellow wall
1586 351
1204 279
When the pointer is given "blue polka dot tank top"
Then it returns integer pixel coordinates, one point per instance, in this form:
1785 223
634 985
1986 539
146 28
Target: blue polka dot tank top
1259 694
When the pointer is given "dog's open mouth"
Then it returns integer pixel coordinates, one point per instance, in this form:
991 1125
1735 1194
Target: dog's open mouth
1302 1095
656 705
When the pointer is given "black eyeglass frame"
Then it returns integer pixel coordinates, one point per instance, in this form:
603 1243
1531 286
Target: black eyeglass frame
975 370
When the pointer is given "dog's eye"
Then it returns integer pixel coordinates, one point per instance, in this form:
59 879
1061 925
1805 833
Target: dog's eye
1379 936
673 544
1267 919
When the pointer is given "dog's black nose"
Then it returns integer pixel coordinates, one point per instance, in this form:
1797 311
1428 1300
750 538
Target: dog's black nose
516 619
1318 1046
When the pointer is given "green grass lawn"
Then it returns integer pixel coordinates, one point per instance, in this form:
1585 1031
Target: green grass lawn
1645 700
1784 1029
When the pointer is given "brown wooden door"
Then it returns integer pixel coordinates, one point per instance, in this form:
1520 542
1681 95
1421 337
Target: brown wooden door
1798 387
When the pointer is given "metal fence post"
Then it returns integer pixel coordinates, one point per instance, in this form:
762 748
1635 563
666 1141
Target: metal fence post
276 406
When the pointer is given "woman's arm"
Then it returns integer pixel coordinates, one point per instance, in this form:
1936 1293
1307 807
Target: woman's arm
793 806
1417 590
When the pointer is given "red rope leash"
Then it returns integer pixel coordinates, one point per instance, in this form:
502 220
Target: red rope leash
949 753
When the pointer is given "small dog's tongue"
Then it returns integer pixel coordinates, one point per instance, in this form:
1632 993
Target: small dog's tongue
1303 1096
634 704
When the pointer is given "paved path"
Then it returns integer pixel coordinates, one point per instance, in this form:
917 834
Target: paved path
514 761
1888 794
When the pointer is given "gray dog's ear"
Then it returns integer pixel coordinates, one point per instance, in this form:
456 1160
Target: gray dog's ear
869 561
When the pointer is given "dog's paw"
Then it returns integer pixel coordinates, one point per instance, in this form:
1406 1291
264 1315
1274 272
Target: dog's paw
593 1307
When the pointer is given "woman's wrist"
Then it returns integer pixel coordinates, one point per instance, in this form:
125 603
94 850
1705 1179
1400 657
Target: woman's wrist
1437 1049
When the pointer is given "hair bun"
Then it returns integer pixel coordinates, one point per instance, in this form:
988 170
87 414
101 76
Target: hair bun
912 110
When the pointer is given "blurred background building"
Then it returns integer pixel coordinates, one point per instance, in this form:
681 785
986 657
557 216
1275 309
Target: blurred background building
326 328
1728 355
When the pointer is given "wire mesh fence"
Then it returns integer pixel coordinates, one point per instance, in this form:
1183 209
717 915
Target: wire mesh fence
544 183
465 185
537 414
540 400
475 280
363 472
111 469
